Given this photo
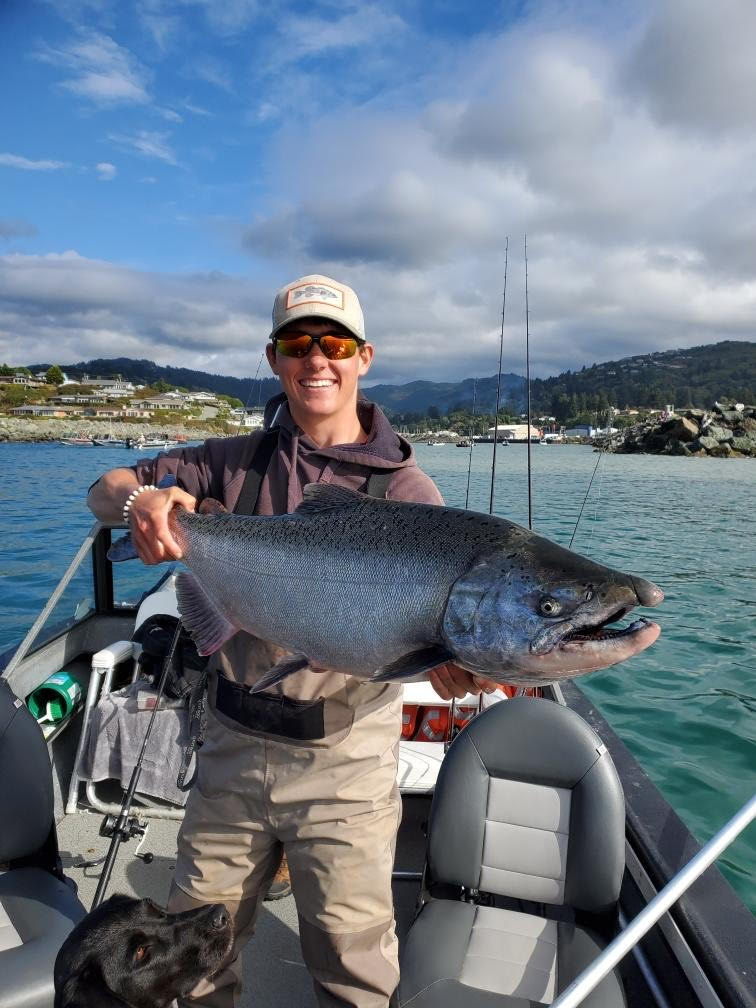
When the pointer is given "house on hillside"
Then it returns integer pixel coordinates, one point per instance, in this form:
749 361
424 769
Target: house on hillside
163 402
47 410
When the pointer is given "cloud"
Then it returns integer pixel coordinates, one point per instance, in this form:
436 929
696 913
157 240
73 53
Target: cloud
694 65
106 171
148 144
102 70
306 36
65 307
15 161
16 228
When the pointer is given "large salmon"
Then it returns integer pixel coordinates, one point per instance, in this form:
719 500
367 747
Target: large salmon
387 590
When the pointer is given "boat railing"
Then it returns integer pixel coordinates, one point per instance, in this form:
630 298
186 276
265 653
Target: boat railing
592 976
31 636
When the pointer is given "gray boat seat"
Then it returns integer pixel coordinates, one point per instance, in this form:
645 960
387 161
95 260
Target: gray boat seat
526 845
38 908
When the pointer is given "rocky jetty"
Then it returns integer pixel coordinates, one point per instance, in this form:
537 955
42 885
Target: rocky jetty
38 429
725 431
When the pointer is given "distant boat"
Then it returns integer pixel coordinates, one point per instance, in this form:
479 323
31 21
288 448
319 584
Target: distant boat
109 442
464 443
81 442
162 443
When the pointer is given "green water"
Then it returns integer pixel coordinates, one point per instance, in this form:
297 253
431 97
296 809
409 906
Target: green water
686 708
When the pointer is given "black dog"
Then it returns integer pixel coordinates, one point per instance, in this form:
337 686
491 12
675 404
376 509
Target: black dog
130 952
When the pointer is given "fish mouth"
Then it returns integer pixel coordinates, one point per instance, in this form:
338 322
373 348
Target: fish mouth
585 649
583 644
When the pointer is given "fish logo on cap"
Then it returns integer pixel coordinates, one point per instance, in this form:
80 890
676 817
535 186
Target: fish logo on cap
313 294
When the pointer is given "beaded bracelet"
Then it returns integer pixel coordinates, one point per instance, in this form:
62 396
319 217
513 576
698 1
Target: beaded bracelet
131 498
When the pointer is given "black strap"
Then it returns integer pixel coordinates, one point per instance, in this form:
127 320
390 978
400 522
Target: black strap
377 484
250 490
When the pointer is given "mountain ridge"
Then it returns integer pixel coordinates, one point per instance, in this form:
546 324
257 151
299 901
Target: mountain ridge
698 374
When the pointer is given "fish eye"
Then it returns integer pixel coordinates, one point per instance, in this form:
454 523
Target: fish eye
549 606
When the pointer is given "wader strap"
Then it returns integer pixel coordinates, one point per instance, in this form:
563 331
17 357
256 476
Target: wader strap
378 482
250 490
197 702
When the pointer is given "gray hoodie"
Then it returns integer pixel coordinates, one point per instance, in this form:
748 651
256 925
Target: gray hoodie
217 468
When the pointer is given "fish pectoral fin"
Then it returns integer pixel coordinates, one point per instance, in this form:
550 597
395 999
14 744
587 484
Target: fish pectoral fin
208 627
412 666
285 667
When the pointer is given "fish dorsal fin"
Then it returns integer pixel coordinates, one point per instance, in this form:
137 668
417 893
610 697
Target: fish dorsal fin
320 497
212 506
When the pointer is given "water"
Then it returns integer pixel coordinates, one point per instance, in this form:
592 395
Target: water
685 708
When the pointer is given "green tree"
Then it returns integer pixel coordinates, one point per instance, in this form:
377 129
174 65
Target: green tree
54 376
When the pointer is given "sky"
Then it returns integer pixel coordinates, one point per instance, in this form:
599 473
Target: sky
167 165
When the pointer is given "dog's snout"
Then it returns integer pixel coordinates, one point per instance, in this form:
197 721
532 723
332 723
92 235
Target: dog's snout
220 919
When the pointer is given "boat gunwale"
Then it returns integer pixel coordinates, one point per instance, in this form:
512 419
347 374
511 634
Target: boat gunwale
713 919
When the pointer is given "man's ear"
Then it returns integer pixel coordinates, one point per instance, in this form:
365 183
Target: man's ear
86 989
270 353
366 358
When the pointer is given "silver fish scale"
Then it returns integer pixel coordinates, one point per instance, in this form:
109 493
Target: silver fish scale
351 587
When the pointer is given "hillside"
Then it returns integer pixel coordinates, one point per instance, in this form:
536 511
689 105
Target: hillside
696 376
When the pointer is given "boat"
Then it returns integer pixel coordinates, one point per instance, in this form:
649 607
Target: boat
80 442
701 954
163 444
464 443
110 440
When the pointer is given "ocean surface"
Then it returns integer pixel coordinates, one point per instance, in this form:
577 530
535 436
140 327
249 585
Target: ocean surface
686 707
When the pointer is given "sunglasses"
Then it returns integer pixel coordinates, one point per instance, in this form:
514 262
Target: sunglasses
332 347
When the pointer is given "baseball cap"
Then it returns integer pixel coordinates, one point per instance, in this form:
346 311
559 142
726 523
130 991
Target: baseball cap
320 296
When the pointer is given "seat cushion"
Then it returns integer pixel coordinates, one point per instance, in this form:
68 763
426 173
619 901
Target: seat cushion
462 956
39 911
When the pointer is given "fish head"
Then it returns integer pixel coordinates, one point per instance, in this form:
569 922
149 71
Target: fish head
534 612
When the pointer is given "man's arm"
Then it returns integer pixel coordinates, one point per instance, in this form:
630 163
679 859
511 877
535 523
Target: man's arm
147 516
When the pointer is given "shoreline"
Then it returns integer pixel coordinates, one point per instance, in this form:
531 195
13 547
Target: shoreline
20 430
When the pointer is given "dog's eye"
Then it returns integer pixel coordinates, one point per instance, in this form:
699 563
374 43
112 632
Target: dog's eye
140 953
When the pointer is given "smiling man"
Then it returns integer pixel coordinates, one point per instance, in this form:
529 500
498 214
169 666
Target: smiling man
310 768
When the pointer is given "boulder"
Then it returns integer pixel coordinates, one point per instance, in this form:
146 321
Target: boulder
682 429
719 433
722 450
705 443
744 445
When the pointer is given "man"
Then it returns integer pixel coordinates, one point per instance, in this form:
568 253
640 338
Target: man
312 769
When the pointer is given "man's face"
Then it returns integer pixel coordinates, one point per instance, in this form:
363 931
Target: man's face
318 388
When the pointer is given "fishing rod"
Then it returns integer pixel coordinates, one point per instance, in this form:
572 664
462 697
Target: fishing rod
498 380
472 433
125 826
527 382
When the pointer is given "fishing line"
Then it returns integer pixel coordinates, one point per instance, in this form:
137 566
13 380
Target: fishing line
498 380
254 381
582 506
472 429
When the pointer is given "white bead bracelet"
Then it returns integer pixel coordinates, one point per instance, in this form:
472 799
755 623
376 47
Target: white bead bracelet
131 498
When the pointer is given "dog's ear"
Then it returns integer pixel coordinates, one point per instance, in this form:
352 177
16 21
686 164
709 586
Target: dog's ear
86 989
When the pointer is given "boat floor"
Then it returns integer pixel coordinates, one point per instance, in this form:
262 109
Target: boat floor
274 972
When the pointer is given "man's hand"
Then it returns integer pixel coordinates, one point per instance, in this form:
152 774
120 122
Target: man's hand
148 522
449 680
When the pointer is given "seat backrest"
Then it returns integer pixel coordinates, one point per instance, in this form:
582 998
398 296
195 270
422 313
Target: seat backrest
528 804
26 785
